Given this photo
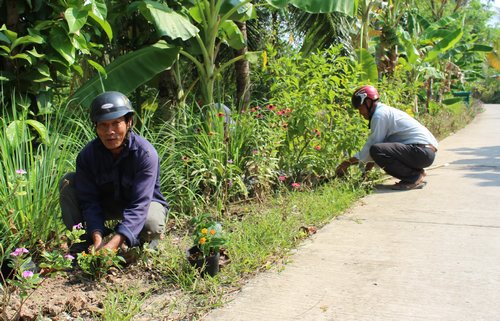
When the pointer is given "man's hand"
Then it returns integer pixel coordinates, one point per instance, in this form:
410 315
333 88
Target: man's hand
341 170
368 167
116 242
97 240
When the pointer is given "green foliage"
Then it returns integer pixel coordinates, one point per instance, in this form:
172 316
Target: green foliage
32 161
55 262
320 6
43 46
128 72
203 159
24 277
448 119
398 96
314 93
266 234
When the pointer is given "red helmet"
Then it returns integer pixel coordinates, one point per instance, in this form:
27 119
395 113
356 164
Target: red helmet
362 93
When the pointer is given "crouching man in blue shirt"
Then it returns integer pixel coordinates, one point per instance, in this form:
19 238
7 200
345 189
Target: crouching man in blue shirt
117 178
398 143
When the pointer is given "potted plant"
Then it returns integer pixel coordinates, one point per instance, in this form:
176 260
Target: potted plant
208 237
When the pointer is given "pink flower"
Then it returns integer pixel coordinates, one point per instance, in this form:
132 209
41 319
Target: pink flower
295 185
271 107
230 161
27 274
282 178
69 257
78 226
20 171
317 147
19 251
255 152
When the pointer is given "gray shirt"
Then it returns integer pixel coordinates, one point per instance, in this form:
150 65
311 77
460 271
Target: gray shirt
391 125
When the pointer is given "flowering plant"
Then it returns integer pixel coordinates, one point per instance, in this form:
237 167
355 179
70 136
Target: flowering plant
96 264
208 235
56 262
24 279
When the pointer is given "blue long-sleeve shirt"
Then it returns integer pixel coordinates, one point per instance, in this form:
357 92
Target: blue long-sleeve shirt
132 181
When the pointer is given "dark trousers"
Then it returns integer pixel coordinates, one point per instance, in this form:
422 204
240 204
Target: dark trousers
402 161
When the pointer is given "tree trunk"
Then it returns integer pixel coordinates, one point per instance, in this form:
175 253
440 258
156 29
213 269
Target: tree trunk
12 15
430 83
168 93
168 87
11 23
242 72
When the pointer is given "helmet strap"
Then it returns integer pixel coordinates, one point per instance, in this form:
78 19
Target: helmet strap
371 111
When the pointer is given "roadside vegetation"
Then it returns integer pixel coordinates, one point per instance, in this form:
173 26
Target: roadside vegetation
265 173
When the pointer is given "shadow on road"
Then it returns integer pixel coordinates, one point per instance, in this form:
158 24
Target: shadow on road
482 162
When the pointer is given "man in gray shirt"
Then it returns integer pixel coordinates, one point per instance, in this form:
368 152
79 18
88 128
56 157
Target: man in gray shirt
398 143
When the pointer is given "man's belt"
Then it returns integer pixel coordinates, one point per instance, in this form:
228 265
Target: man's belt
431 147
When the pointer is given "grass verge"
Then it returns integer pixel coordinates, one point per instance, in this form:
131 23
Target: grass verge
260 237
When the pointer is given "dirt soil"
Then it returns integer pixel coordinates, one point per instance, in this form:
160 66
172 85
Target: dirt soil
75 297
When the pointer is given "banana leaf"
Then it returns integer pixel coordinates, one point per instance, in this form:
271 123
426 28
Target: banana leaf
348 7
367 64
128 72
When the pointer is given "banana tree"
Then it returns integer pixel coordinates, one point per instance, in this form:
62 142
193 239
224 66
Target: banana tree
365 8
218 18
199 28
426 46
392 13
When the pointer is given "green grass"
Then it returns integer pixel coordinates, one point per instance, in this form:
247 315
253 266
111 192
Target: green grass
123 304
261 236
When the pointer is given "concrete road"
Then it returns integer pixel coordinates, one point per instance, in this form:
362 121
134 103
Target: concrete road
430 254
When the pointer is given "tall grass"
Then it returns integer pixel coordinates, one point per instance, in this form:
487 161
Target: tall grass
202 159
33 155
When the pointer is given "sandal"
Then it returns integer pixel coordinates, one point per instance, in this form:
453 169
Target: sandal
404 185
401 186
